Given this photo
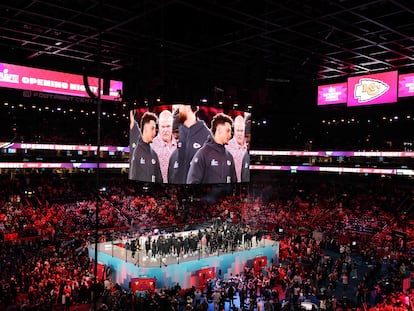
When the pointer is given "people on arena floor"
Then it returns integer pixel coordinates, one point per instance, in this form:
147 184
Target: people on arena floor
46 267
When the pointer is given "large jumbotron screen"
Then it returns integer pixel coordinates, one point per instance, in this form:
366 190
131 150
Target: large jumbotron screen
186 144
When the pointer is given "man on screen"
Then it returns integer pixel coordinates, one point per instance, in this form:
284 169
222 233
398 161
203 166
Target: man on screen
192 133
145 165
237 146
164 143
245 169
213 163
134 136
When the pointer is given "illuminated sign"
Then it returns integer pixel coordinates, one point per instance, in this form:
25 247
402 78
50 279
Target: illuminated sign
372 89
33 79
332 94
406 85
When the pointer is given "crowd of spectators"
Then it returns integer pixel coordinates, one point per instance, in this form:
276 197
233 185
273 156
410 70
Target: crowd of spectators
328 229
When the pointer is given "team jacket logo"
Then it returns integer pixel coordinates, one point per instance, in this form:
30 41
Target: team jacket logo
228 162
142 161
368 89
176 165
214 162
153 161
196 145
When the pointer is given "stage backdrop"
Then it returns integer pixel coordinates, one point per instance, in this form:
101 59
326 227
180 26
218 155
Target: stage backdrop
189 273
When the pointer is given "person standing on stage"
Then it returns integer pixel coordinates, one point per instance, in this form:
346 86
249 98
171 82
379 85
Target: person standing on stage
213 163
147 245
164 143
145 165
192 134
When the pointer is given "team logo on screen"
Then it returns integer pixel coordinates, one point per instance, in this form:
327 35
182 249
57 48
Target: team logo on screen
368 89
5 76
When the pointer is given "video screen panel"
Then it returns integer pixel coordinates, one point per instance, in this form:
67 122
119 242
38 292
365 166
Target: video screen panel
373 89
186 144
55 82
331 94
406 85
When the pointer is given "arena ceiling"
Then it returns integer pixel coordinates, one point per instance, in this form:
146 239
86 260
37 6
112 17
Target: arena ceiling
209 42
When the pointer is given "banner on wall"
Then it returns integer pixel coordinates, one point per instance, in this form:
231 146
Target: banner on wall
48 81
101 271
260 263
205 274
143 284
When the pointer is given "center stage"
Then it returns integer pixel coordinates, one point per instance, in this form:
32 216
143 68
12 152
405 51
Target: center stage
187 270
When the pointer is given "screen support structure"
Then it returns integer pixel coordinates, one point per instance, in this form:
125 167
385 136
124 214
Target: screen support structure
98 101
98 200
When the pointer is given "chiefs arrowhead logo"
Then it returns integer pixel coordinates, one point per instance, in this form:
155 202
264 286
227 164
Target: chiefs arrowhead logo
368 89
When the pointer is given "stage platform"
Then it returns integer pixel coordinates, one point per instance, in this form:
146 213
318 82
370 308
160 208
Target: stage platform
192 269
